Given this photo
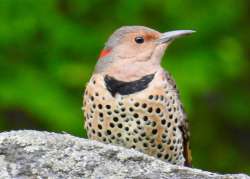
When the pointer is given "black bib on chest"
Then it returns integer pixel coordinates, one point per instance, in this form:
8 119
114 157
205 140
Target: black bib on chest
124 88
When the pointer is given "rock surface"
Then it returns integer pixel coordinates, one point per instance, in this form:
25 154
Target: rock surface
34 154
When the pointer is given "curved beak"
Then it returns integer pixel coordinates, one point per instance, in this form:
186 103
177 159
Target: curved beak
172 35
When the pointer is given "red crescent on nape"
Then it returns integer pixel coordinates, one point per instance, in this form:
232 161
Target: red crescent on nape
104 53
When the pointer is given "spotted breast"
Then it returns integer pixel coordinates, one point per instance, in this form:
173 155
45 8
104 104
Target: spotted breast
149 119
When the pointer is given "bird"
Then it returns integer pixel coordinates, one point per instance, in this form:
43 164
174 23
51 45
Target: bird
131 101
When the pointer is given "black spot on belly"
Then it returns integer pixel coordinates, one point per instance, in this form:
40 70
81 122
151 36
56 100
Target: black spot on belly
124 88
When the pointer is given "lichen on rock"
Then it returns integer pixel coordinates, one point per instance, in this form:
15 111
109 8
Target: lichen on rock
34 154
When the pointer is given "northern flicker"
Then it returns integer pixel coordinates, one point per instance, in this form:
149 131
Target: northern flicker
132 102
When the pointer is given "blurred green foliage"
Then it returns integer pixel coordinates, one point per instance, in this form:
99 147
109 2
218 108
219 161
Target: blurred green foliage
48 49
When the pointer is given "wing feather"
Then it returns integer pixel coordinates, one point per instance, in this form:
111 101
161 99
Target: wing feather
184 127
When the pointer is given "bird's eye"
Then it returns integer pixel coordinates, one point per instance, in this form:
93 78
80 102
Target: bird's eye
139 40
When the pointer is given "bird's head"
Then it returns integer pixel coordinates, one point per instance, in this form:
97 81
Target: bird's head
135 48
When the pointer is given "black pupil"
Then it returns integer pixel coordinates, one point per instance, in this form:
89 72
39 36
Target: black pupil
139 40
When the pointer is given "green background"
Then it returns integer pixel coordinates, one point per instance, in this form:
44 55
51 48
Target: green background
48 49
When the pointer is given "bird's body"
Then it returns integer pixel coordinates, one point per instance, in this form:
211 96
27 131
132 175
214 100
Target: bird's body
137 109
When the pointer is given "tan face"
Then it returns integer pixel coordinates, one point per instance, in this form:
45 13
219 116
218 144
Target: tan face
137 45
133 51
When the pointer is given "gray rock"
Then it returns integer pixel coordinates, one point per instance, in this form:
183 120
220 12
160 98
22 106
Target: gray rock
33 154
